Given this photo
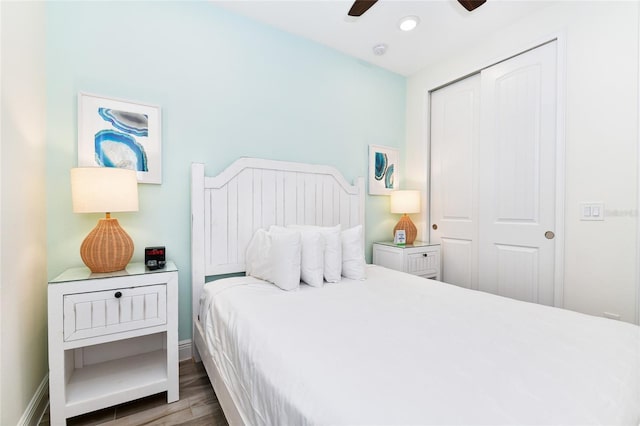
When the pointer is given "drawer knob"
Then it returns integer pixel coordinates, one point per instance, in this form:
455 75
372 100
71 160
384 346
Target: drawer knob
118 295
425 254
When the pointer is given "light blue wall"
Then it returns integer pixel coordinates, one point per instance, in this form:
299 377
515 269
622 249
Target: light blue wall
228 87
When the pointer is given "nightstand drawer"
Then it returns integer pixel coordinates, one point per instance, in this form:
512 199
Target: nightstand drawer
113 311
423 263
419 258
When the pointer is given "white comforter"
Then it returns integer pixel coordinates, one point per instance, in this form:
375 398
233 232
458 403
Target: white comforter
400 349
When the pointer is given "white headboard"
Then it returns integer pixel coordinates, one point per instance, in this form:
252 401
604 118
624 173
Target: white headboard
254 193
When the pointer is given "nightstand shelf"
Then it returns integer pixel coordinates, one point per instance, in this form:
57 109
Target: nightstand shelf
419 258
112 338
113 382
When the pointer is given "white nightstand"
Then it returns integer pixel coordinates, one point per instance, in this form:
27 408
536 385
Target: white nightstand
112 338
418 258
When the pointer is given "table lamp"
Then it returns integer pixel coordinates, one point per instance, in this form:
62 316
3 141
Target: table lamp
406 201
108 247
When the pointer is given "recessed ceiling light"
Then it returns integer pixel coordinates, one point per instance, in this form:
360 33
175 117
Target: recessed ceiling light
408 23
379 49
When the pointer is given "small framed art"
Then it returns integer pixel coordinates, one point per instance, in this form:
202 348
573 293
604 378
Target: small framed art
383 170
119 133
400 237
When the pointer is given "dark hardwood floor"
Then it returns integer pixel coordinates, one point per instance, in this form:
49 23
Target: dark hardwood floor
197 405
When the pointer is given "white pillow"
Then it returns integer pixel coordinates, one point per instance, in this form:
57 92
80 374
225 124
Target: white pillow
275 257
332 249
312 254
353 263
285 259
257 262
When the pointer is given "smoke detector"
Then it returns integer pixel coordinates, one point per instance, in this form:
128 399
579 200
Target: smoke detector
379 49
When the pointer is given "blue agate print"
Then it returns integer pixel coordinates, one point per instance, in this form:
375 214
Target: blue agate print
381 165
389 177
118 146
383 170
128 122
117 149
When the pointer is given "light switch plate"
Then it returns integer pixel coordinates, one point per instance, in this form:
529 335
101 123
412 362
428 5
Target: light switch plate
591 211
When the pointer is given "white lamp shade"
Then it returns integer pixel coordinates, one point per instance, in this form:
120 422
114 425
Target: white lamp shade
406 201
104 190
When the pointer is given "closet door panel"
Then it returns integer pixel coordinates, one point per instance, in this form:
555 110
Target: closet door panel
458 267
517 143
518 272
454 142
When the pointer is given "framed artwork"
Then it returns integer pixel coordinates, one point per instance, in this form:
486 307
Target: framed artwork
119 133
383 170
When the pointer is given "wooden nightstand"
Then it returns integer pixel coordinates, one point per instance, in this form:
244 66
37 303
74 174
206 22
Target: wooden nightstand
419 258
112 338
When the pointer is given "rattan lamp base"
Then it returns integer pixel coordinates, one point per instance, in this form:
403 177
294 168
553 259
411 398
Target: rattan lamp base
107 248
409 228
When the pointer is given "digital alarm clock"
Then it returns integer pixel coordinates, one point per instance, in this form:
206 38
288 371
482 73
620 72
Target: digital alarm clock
154 257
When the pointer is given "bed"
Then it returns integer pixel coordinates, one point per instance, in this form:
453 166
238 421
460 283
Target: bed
393 348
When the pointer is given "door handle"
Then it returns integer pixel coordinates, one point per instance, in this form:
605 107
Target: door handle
549 235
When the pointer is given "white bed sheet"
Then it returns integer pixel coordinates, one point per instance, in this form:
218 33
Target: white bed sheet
400 349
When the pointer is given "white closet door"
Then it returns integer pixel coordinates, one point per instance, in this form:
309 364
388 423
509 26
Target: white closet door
455 111
517 177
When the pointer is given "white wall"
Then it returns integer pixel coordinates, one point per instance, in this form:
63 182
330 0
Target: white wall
601 139
23 278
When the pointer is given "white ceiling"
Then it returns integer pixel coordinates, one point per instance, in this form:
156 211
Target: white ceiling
445 26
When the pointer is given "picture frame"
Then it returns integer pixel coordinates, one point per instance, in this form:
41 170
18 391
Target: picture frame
383 170
400 237
120 133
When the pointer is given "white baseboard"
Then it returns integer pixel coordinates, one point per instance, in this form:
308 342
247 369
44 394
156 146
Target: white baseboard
184 350
37 406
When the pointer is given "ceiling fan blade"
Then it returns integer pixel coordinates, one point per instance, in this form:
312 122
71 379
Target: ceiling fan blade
361 6
471 4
